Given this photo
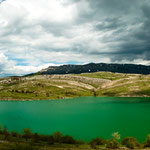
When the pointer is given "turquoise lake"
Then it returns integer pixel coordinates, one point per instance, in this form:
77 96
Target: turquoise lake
83 118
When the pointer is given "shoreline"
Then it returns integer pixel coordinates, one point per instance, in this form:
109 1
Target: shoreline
23 100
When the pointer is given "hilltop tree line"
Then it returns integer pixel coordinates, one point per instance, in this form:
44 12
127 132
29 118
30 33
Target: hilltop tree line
95 67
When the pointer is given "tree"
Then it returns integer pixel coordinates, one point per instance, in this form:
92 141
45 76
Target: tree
147 143
57 137
116 136
27 133
47 94
97 141
36 138
6 133
51 140
68 139
14 134
93 145
0 128
130 142
44 138
112 143
95 93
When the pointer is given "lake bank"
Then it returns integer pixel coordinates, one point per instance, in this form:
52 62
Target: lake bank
71 98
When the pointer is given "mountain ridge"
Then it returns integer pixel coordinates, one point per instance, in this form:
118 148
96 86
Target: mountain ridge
96 67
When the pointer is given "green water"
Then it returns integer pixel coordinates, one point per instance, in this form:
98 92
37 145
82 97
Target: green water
83 118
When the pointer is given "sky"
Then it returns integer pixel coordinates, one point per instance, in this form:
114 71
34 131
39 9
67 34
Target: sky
35 34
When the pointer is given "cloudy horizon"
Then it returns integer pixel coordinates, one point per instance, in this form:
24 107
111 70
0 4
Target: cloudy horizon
37 34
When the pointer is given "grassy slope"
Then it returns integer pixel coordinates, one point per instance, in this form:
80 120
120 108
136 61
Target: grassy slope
104 75
123 84
4 145
10 146
67 86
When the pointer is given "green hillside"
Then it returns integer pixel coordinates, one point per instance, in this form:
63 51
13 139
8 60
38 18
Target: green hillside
38 87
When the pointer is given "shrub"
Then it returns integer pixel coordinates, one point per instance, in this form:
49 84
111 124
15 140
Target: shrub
0 129
51 140
57 137
97 141
36 137
78 142
44 138
147 142
68 140
112 143
93 145
6 133
116 136
27 133
14 134
95 93
130 142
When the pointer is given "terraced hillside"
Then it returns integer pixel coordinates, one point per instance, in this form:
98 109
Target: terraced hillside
38 87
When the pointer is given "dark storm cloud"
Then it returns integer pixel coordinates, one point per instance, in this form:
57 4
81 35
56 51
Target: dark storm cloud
99 9
109 24
129 24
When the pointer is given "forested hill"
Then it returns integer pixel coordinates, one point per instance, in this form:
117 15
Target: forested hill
93 67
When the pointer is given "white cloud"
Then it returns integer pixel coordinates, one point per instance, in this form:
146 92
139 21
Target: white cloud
11 68
21 70
37 32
